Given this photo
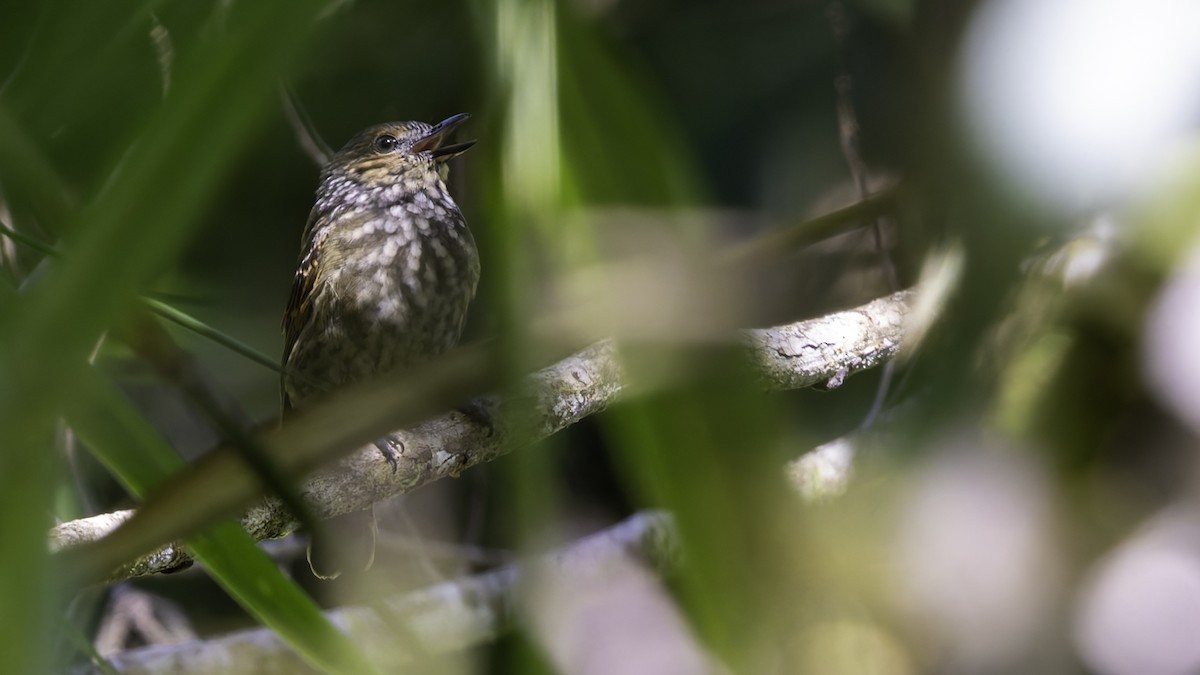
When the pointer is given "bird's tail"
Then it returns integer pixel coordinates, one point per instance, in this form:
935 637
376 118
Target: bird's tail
343 543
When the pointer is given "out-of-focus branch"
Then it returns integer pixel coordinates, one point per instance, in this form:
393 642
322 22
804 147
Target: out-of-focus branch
812 230
819 351
140 615
442 618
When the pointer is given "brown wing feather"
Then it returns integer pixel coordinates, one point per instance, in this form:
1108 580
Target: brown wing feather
295 316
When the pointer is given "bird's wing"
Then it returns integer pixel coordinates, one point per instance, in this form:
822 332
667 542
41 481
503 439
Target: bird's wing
294 317
315 265
308 276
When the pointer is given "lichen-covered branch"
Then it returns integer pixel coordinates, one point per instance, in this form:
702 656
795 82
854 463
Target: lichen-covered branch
442 618
819 351
826 350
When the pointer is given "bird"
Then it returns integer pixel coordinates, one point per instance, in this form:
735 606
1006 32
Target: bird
387 271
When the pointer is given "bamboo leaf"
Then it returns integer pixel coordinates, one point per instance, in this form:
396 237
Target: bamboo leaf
125 442
140 216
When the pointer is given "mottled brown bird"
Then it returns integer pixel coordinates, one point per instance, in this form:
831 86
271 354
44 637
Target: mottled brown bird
387 271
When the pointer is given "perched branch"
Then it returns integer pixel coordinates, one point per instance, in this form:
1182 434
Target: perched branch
442 618
826 350
820 351
155 346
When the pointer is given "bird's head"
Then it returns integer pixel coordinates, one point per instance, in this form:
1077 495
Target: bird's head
411 154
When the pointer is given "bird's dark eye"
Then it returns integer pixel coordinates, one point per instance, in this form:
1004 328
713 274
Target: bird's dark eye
385 143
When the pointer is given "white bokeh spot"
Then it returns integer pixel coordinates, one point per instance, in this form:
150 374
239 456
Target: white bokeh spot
1083 103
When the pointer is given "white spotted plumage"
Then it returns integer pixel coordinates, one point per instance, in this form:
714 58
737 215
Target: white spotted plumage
387 272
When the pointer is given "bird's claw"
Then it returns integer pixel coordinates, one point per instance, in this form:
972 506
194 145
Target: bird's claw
391 447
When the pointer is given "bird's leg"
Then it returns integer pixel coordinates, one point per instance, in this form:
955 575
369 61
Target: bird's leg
390 447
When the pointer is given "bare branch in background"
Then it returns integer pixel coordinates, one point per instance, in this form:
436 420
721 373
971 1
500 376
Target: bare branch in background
140 617
442 618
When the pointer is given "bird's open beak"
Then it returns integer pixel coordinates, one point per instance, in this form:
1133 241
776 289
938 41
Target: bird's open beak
432 142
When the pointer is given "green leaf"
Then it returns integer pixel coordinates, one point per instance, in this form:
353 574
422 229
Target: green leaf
126 443
637 156
191 323
26 479
146 204
166 311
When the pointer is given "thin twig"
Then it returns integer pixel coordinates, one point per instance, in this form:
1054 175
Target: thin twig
848 134
306 133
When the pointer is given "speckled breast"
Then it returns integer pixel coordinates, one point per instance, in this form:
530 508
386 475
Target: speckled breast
394 292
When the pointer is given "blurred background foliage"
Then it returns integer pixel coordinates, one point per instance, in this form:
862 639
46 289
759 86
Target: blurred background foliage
149 144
